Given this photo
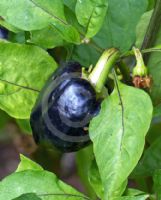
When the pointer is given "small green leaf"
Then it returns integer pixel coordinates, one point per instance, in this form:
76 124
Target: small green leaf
24 70
141 197
24 125
118 134
48 37
27 164
134 192
142 27
68 32
91 14
30 196
157 183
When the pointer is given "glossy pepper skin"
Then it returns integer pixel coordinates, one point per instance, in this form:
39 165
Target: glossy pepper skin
63 110
3 33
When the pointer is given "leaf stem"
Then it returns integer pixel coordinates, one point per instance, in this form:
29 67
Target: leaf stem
153 28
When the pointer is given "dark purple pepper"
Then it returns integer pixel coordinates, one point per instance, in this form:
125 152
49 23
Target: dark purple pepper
3 33
64 109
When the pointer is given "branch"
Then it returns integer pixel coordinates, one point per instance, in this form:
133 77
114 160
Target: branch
153 28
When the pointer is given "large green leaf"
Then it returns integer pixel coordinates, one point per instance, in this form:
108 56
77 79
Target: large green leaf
154 66
31 178
44 184
91 14
118 135
24 70
120 23
151 160
30 196
157 184
37 14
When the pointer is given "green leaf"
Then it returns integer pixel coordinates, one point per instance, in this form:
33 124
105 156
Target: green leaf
85 54
68 32
24 70
70 4
42 183
118 135
134 192
120 24
8 26
27 164
142 27
91 14
38 14
151 160
141 197
30 196
48 38
84 158
95 179
157 183
24 125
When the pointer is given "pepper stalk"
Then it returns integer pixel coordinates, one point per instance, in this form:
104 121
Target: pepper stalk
100 72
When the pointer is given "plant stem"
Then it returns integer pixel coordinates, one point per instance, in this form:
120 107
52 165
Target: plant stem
100 72
153 28
144 51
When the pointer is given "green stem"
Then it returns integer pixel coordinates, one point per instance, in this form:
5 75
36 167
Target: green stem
144 51
139 58
140 69
100 72
153 28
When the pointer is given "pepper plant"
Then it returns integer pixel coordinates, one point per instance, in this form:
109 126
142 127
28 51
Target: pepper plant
86 75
